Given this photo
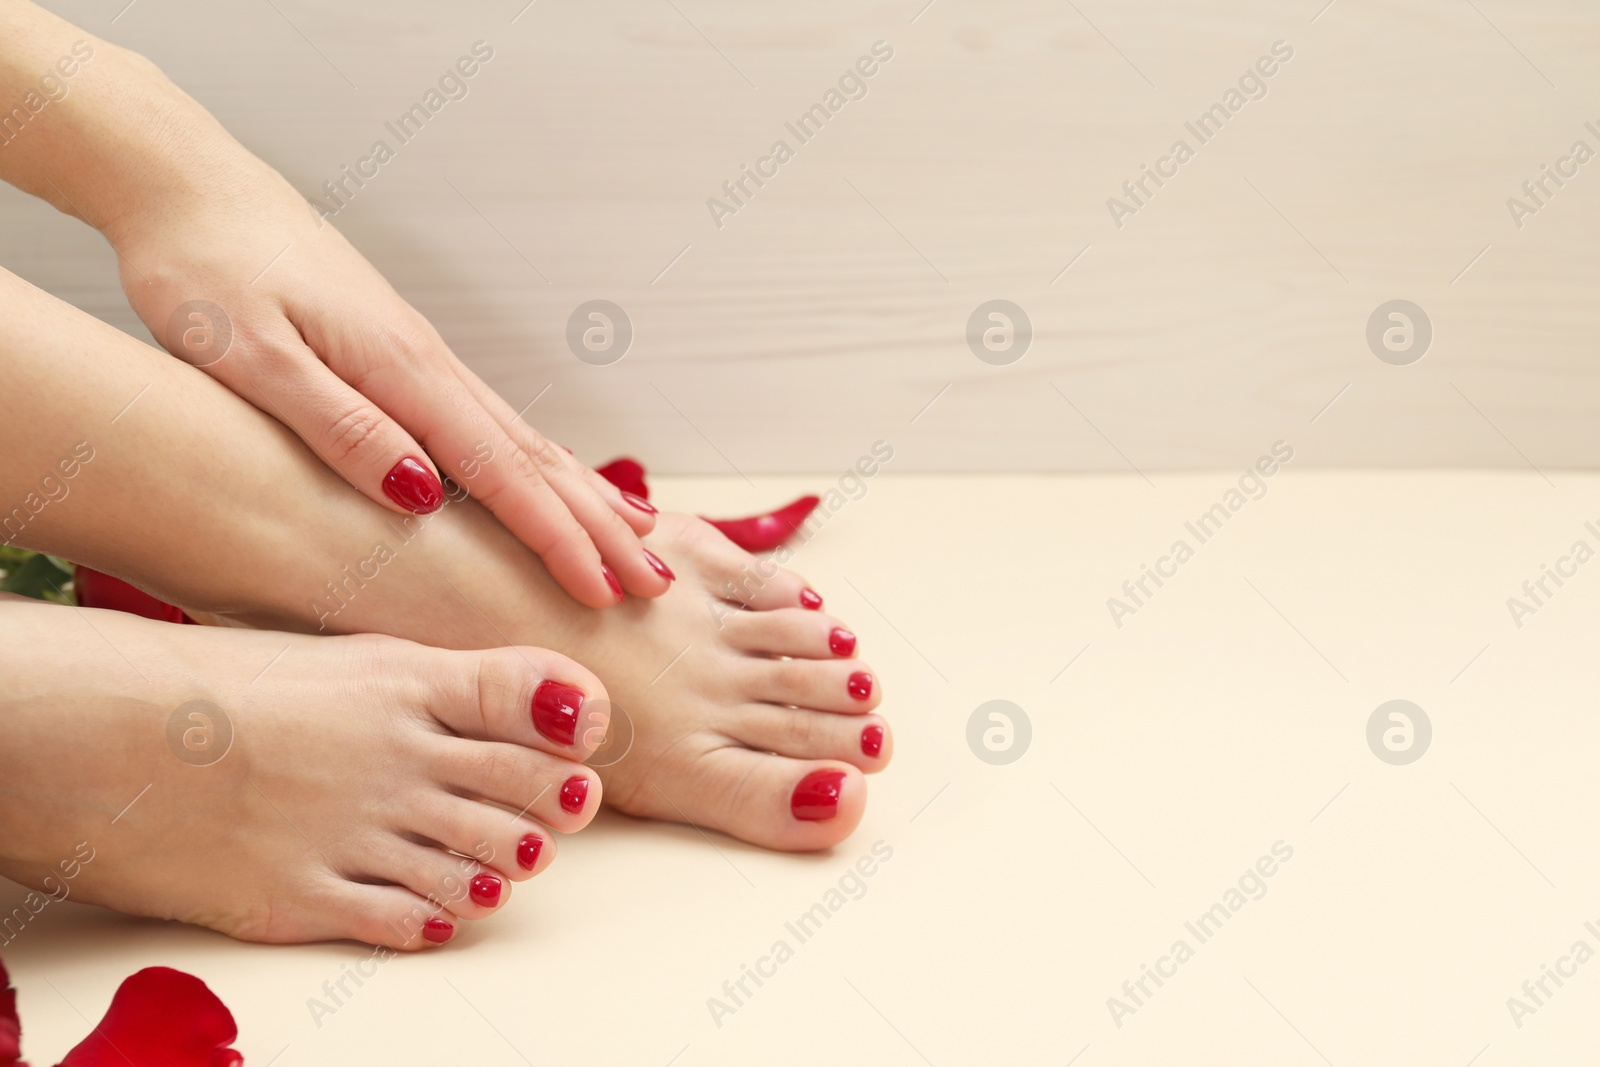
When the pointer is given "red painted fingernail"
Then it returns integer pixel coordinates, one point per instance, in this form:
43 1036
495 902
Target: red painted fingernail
860 685
659 567
555 711
611 580
816 798
414 487
574 791
872 741
528 851
842 641
438 931
810 600
639 502
485 890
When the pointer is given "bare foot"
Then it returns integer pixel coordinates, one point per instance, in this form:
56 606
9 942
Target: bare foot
279 787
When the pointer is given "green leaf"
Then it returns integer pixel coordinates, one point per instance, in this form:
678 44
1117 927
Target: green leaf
37 576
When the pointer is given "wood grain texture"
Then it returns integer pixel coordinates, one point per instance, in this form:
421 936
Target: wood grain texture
832 307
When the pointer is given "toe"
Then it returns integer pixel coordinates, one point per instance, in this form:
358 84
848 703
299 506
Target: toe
800 733
558 793
458 884
844 686
526 696
781 803
388 915
511 845
789 632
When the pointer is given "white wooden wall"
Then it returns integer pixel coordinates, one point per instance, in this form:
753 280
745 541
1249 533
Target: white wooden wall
831 309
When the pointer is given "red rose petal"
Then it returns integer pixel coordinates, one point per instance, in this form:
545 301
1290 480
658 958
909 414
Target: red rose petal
10 1025
626 474
95 589
161 1016
762 532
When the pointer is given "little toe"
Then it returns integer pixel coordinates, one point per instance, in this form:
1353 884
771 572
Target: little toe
512 845
527 696
781 803
789 632
800 733
558 793
845 686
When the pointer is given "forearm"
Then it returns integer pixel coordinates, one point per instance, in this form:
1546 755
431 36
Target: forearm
99 131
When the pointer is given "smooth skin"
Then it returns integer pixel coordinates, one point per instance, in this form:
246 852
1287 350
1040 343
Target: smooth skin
319 340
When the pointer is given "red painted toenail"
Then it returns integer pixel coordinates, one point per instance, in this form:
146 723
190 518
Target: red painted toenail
872 741
485 890
574 791
414 487
611 580
810 600
528 851
816 798
659 567
438 931
555 711
842 641
860 685
639 502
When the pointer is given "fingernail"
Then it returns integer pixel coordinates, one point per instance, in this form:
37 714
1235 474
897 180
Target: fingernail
810 600
611 580
574 791
816 798
438 931
639 502
860 685
528 851
872 741
659 567
555 711
485 890
842 641
414 487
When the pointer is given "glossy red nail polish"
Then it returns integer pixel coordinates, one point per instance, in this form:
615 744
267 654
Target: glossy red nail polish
555 711
639 502
611 580
841 641
659 567
414 487
574 791
528 851
872 741
438 931
485 890
810 600
860 685
816 798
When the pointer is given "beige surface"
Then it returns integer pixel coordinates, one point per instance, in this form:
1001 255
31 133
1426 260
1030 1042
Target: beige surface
978 166
1171 755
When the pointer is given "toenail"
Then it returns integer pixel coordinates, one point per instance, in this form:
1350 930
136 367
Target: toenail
659 567
639 502
860 685
555 711
842 641
414 487
611 580
574 791
438 931
816 798
872 741
810 600
485 890
528 851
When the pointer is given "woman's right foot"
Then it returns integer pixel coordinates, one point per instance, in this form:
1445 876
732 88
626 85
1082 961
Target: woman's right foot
280 787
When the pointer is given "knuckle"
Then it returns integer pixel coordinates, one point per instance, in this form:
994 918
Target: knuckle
353 433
